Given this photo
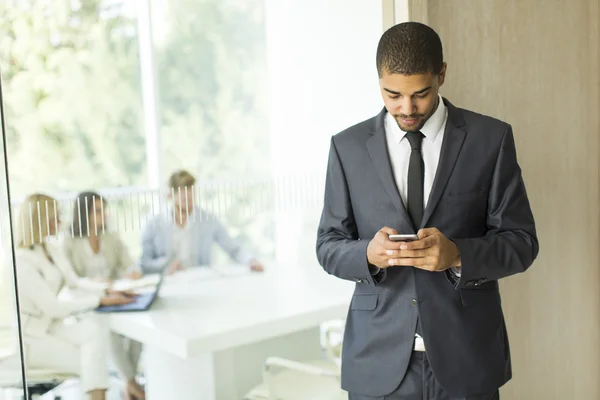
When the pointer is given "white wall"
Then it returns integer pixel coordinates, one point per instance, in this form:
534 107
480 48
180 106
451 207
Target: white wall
322 79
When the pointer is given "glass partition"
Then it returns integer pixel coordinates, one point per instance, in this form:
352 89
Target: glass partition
115 98
11 349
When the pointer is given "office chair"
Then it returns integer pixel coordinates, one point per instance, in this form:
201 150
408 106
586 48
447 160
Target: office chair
37 386
292 380
39 381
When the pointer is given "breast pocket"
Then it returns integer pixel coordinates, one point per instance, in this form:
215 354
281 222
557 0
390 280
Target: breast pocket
364 302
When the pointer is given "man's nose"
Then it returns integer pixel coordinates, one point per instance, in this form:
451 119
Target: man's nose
407 106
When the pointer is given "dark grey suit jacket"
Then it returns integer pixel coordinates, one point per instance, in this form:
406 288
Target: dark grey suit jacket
478 200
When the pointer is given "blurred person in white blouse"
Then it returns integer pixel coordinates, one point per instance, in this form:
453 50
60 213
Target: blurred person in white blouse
52 340
100 255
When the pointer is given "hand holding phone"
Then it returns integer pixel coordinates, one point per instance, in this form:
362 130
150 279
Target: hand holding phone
386 239
403 237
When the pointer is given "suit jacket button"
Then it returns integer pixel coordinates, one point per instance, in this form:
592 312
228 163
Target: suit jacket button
413 302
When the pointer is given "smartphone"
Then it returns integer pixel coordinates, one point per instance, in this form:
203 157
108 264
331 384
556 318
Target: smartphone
403 238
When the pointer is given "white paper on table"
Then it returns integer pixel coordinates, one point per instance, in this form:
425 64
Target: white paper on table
134 284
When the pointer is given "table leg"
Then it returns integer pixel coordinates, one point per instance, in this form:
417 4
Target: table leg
172 377
224 375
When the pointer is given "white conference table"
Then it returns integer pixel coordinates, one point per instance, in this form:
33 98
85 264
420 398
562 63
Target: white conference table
209 332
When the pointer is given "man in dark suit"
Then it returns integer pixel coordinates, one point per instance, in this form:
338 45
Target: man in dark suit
425 321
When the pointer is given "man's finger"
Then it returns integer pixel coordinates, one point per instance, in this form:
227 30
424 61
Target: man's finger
388 231
423 233
389 245
424 263
407 253
420 244
409 262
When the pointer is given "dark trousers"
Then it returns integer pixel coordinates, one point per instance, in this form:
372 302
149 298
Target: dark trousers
420 384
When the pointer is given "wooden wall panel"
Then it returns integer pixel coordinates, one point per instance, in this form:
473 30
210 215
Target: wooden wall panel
534 64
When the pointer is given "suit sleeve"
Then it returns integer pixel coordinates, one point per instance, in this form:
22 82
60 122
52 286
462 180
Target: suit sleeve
510 245
340 251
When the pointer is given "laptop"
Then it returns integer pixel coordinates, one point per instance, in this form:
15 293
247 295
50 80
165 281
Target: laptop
142 302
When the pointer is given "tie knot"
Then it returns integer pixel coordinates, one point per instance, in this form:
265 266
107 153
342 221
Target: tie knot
415 139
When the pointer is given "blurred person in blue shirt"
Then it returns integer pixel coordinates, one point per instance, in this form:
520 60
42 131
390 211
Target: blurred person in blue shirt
183 237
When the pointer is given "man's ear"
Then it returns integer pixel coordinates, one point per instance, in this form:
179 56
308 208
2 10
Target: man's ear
442 74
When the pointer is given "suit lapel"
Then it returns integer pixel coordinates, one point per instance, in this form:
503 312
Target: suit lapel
378 151
454 136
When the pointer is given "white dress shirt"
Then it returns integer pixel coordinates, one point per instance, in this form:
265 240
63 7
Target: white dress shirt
181 237
399 151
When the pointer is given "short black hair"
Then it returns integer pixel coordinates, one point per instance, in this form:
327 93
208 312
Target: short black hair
409 48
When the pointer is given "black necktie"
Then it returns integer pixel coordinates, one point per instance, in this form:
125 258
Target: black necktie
416 177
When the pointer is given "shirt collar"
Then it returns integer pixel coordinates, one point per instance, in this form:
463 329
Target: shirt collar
430 130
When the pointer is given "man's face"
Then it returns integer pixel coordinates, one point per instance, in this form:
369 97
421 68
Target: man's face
411 99
184 198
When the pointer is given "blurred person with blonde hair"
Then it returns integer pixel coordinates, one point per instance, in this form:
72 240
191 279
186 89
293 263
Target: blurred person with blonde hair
185 235
97 253
76 347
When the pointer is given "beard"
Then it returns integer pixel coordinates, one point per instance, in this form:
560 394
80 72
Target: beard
419 122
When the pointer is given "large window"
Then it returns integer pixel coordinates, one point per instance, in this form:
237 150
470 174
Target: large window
72 95
212 100
211 73
76 95
115 95
322 79
245 95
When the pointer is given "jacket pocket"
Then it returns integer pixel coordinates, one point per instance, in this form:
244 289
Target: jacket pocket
480 297
364 302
